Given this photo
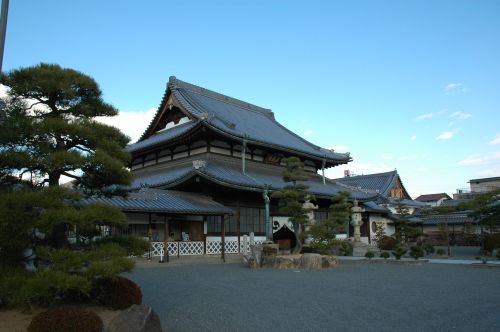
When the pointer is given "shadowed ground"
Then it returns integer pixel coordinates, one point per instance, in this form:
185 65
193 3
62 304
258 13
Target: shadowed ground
356 296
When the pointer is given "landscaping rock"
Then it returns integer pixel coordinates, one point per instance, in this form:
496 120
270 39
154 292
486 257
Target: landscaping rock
307 261
137 318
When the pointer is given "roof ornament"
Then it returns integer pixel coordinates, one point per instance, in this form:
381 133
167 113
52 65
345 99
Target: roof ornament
199 165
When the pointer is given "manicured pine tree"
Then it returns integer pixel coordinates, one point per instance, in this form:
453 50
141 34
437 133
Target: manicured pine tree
293 196
324 232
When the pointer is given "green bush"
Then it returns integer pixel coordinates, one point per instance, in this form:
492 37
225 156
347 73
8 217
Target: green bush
133 245
385 254
40 289
399 252
429 249
491 242
117 292
369 254
498 254
333 247
416 252
440 252
388 243
66 319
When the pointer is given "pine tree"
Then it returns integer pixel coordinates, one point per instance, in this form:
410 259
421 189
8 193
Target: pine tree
324 232
293 196
48 130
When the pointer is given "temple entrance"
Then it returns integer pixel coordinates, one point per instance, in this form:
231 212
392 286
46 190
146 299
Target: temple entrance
283 234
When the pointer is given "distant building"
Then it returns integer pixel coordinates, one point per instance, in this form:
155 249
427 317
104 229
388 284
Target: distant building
433 199
477 186
391 192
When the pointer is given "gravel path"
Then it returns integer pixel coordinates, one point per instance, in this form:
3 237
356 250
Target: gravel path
356 296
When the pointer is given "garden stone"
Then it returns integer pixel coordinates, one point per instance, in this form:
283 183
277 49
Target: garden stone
137 318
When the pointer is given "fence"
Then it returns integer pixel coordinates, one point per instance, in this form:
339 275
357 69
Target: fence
192 248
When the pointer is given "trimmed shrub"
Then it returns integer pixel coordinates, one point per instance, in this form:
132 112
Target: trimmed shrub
399 252
388 243
385 254
334 247
429 249
416 252
369 255
133 245
66 319
117 292
440 251
491 241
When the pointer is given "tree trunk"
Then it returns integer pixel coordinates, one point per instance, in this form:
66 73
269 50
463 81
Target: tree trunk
58 237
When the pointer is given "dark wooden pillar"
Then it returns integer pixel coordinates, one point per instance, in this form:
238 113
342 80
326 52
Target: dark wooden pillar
238 228
222 239
150 230
166 234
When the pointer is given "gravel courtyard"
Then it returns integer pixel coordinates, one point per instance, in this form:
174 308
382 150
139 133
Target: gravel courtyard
356 296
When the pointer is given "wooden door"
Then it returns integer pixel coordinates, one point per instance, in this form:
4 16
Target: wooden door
196 230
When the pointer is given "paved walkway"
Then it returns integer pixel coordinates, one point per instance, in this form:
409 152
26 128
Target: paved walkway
192 295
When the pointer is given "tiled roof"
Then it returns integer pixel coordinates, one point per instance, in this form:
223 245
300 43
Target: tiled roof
371 206
380 182
163 136
450 218
167 201
230 174
240 120
432 197
407 202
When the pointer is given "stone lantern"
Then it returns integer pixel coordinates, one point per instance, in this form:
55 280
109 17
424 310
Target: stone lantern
356 220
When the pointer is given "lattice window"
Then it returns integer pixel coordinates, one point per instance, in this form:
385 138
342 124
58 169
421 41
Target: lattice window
173 248
191 248
213 247
231 247
157 249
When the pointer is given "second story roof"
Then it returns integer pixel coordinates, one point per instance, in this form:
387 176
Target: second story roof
230 117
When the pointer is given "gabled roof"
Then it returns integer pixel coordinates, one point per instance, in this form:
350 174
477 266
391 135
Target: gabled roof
459 217
165 201
163 136
432 197
379 182
230 174
235 119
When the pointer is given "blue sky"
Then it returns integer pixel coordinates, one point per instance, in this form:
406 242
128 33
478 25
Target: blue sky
406 85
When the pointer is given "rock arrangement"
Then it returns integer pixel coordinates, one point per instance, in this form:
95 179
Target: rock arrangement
261 256
137 318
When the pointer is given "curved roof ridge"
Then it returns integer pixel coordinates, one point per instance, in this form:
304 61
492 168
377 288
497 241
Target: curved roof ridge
175 83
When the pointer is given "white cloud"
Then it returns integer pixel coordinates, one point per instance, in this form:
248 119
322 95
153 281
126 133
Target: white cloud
414 137
442 111
492 172
496 140
445 135
132 124
460 115
476 160
454 87
424 116
308 133
3 91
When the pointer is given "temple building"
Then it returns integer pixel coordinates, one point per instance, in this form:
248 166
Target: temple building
212 150
391 192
